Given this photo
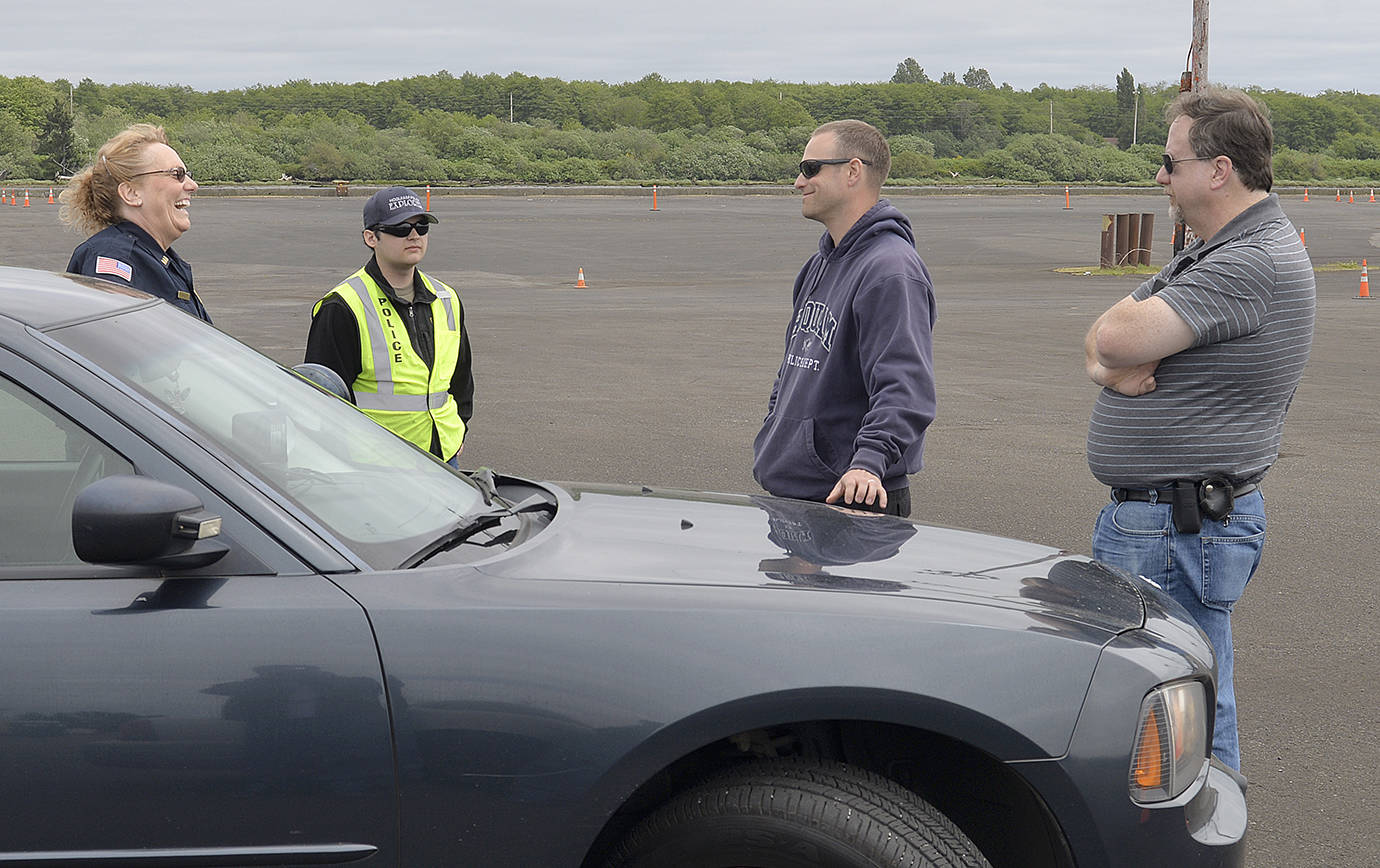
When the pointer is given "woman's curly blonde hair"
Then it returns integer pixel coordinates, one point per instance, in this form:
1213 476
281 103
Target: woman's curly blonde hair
91 201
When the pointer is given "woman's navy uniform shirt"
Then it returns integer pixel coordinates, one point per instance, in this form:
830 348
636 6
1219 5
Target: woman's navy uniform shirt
127 255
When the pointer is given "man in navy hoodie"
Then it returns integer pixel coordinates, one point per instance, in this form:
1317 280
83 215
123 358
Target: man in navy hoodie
847 415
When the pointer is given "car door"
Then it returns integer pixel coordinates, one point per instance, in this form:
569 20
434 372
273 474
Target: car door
231 714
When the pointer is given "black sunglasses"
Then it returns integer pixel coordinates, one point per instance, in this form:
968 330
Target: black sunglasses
810 168
178 174
1170 161
402 230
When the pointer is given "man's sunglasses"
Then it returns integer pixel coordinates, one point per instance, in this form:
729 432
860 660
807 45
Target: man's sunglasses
178 174
810 168
1170 161
402 230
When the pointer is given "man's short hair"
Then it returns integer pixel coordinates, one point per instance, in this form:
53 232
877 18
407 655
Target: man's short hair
1229 123
861 139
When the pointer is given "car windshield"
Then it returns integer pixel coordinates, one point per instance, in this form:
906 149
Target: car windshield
376 492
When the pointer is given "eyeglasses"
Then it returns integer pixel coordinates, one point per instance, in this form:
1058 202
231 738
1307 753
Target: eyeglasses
402 230
1170 161
810 168
178 174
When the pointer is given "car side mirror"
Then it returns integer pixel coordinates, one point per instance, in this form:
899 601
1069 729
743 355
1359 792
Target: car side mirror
262 434
324 379
137 520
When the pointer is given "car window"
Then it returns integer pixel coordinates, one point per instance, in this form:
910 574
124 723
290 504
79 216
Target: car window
45 461
375 491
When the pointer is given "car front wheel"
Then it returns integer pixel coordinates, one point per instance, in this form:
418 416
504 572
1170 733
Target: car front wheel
797 814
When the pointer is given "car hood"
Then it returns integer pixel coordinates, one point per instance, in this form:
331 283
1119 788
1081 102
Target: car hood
623 534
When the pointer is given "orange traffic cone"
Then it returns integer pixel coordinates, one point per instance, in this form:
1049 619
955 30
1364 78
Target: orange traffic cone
1305 194
1351 197
50 196
1365 283
1303 239
654 208
1372 194
1339 195
26 198
580 282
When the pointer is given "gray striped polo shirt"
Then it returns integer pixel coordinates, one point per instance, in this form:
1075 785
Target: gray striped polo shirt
1218 407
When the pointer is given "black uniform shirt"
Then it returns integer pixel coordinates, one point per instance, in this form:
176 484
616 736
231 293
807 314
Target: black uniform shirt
127 255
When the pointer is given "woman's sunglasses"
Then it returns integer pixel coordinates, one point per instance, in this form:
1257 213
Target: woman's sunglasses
178 174
402 230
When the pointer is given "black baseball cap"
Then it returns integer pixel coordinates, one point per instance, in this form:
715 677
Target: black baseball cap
393 205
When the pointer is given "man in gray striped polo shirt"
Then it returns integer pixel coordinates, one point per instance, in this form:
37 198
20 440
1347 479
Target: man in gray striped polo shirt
1198 367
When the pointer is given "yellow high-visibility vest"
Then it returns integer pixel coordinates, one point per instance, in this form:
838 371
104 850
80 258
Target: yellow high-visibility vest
394 387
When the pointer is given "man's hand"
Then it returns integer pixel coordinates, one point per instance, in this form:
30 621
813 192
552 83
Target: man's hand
1133 381
858 486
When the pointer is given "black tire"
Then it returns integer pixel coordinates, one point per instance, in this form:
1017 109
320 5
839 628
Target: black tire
797 814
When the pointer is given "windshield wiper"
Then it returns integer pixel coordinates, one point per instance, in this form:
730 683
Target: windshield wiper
484 478
473 524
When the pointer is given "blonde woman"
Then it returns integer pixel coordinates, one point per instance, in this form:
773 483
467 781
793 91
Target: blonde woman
135 197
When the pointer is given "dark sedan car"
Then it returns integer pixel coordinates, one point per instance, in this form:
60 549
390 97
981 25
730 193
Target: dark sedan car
242 625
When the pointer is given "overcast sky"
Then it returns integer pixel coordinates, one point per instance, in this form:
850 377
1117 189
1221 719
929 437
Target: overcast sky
1292 45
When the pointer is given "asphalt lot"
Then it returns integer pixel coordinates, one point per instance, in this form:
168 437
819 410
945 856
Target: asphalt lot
657 372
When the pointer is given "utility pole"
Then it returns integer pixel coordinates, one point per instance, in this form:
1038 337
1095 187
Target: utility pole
1199 52
1051 117
1194 79
1135 117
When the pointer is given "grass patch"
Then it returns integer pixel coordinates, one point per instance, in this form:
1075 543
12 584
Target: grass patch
1150 269
1109 272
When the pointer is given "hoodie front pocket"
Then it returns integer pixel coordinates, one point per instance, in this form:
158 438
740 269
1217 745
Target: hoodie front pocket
818 448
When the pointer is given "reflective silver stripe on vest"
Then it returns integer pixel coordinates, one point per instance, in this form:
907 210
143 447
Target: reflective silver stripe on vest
378 348
445 296
401 403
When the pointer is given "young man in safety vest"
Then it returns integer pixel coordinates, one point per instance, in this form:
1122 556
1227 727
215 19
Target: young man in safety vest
396 336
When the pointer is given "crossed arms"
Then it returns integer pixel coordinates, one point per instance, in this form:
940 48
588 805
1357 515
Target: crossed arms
1125 345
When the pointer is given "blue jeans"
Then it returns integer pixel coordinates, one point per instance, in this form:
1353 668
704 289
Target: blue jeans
1205 572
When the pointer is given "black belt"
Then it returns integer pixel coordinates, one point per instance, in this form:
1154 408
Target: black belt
1166 495
1191 500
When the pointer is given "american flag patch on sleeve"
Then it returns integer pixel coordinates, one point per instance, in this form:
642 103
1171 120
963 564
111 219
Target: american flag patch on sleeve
107 265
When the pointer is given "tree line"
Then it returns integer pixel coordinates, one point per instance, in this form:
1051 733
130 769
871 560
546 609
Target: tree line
491 129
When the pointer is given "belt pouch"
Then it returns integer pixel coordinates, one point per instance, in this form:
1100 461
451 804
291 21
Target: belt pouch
1215 498
1186 516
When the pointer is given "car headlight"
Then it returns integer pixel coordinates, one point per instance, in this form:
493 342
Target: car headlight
1171 741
